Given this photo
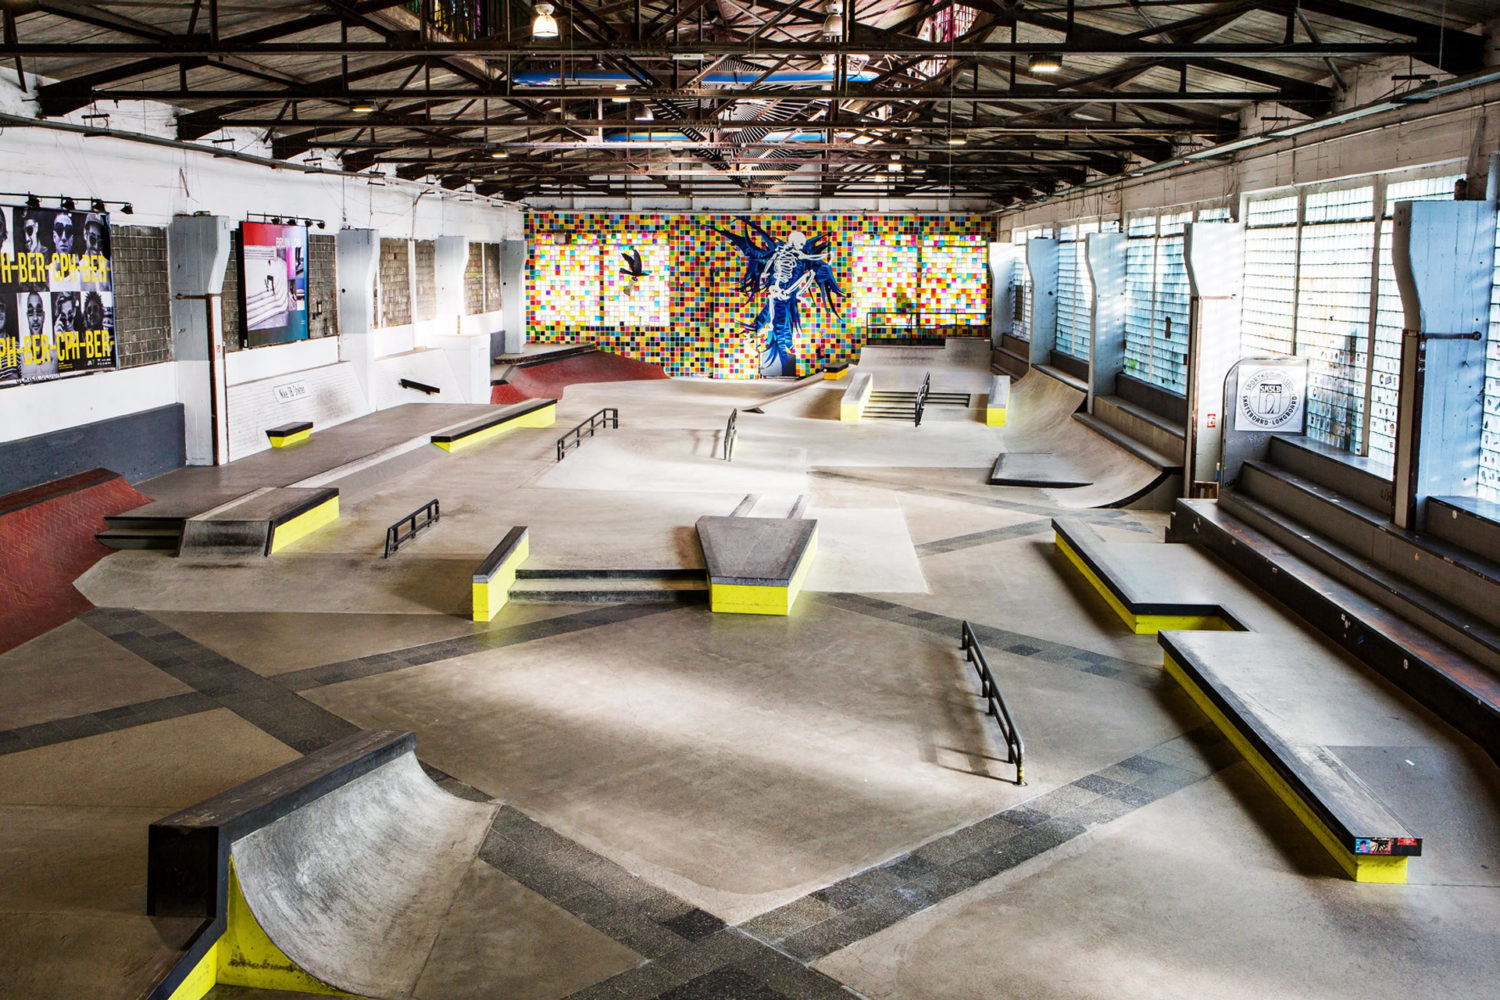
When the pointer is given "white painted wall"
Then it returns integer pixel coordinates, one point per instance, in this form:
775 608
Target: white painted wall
161 182
1459 129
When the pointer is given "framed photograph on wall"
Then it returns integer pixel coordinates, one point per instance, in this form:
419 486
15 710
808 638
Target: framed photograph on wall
273 282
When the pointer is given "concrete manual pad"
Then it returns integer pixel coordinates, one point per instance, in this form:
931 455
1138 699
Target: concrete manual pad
1213 892
864 550
1040 469
354 887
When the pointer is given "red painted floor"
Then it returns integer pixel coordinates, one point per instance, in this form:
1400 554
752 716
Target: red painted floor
47 541
547 381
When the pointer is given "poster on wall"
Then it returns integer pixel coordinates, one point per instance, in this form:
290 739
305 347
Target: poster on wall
273 279
1271 395
57 313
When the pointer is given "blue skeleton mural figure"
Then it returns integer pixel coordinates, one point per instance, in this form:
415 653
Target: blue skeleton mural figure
781 271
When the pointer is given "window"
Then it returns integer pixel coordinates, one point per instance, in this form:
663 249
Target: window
1021 280
1385 381
1156 301
955 279
886 270
1269 296
1489 437
636 301
1335 256
1075 292
566 282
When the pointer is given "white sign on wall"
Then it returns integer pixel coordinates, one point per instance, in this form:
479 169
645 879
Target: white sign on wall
290 391
1271 396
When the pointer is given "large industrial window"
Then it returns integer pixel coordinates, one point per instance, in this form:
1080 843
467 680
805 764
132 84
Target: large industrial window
565 282
1156 301
1269 299
1075 292
1385 378
1021 286
1336 254
955 280
884 276
1489 438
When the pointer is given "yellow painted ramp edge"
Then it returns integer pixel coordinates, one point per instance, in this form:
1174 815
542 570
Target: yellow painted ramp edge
1142 624
543 416
994 416
1383 869
245 956
304 524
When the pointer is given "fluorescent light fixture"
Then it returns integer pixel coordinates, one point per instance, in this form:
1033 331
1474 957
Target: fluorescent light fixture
620 95
363 107
499 154
1044 64
545 25
957 140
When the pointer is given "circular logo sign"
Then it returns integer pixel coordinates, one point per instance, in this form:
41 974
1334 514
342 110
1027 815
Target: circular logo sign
1269 399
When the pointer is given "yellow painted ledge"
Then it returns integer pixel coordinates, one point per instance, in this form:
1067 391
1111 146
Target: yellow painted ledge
491 595
835 375
1377 868
1142 624
544 416
245 956
760 599
279 441
994 416
304 524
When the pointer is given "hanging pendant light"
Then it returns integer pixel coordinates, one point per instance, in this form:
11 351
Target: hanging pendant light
545 25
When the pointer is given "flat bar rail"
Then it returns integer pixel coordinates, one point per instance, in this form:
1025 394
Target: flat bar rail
729 433
607 417
398 534
921 403
995 704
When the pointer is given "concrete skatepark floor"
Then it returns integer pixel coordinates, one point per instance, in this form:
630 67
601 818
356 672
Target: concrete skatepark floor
696 806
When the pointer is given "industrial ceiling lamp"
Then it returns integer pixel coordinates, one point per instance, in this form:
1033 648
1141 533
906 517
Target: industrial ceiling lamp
830 59
1044 64
833 28
621 94
545 25
645 114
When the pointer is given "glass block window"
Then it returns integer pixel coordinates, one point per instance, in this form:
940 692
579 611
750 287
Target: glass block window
1156 301
1385 384
885 273
1075 292
1022 280
955 278
1269 297
566 282
637 302
1213 215
1336 256
1489 438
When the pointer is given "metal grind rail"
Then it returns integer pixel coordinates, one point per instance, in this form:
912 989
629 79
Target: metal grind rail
607 417
921 403
1015 749
730 430
399 534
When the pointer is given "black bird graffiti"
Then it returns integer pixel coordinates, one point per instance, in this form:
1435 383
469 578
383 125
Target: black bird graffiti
633 266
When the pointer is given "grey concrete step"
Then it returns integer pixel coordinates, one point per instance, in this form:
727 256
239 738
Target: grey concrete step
1471 524
1358 479
1135 446
140 538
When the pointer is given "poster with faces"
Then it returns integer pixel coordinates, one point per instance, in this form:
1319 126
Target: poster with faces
56 293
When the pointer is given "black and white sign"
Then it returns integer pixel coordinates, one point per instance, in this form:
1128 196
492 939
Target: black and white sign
1271 396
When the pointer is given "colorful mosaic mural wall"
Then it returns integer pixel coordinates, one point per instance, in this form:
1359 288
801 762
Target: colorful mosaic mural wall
686 311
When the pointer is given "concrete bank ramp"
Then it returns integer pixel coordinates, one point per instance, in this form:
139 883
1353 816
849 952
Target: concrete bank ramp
335 872
354 888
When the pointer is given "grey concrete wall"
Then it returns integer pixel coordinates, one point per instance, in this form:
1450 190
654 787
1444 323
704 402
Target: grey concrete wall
137 446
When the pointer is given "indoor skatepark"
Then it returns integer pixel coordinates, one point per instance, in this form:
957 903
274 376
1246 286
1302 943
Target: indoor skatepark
749 501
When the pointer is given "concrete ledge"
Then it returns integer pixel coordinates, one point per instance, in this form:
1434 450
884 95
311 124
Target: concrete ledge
288 434
1354 826
494 577
856 397
998 401
302 519
1117 583
535 413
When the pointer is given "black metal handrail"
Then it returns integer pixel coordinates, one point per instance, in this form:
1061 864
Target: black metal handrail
730 430
395 537
921 403
607 417
995 704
